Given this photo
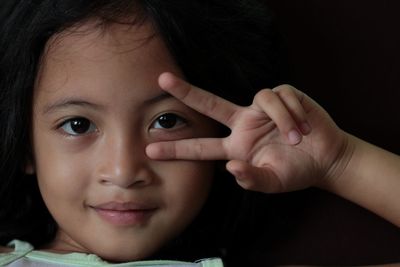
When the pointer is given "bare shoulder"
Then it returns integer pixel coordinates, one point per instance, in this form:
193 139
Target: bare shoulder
5 249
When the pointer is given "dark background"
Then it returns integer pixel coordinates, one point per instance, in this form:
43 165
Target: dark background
346 55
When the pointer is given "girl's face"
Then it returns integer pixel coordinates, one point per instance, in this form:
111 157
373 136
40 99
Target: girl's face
97 104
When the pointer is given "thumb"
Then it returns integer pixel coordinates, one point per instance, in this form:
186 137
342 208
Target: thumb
261 179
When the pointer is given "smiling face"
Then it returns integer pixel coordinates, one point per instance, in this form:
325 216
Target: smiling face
97 104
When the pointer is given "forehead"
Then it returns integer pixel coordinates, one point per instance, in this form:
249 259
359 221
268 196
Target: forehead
99 41
88 58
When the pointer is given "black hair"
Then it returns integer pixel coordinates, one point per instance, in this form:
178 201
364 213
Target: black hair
224 46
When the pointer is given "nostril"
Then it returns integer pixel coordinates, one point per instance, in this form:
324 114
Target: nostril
140 181
126 183
124 175
105 182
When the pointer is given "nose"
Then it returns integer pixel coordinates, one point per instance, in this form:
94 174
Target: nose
123 163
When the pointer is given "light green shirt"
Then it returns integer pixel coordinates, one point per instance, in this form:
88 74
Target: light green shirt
24 255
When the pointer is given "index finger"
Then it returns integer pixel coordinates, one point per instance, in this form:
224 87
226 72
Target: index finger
200 100
188 149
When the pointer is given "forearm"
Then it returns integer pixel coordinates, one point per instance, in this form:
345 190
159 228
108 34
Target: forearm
371 178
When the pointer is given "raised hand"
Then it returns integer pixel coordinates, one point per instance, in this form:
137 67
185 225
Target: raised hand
284 141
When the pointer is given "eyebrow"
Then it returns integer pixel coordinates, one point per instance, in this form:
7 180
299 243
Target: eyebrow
67 102
157 98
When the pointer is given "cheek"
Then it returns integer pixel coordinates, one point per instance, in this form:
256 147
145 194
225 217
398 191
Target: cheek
60 175
186 183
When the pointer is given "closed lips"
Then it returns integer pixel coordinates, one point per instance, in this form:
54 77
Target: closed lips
125 213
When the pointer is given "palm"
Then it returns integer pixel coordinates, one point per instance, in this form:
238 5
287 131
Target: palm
256 139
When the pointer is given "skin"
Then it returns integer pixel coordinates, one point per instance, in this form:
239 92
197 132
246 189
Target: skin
268 157
283 142
109 77
271 147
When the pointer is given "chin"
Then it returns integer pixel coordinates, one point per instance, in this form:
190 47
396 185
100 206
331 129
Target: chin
126 254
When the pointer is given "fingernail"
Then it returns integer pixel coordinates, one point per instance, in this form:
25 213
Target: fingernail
294 137
237 174
305 128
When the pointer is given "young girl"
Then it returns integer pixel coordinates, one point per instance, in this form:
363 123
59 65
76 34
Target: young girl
108 158
67 183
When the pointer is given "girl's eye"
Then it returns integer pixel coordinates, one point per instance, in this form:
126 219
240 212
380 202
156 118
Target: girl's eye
168 121
78 126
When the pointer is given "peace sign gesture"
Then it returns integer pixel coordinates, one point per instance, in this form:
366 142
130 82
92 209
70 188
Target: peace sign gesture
283 141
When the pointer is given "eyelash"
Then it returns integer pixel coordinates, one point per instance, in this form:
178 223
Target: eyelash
68 130
67 124
178 121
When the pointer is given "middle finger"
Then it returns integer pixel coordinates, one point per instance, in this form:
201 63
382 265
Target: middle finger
200 100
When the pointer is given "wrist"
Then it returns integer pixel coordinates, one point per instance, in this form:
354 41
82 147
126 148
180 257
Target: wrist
368 176
342 165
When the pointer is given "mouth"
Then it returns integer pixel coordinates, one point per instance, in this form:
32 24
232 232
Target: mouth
125 214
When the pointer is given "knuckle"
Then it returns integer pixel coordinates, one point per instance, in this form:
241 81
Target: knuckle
284 90
173 150
286 93
265 95
199 149
283 87
185 94
211 104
